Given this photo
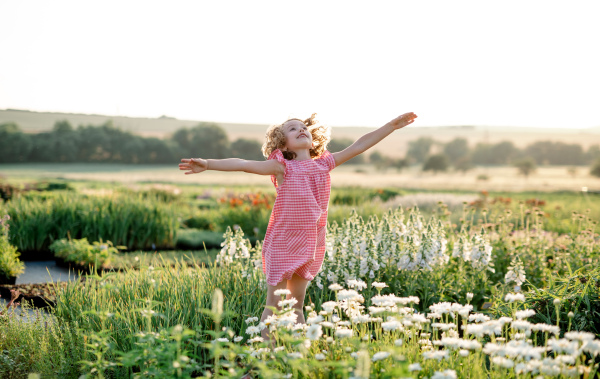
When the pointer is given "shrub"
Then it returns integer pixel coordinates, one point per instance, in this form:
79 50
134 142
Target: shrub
80 251
526 166
436 163
10 265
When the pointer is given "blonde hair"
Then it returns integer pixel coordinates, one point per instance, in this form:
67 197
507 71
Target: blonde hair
275 138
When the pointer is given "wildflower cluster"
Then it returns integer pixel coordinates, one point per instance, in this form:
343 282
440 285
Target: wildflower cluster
235 247
340 329
475 249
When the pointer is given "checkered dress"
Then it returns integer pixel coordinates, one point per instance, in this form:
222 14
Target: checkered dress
295 237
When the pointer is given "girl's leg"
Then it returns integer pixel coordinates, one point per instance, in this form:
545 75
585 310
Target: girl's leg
272 301
297 287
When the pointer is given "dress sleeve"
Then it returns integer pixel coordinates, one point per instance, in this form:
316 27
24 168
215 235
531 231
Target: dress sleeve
326 160
278 155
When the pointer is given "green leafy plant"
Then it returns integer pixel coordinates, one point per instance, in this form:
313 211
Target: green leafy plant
10 265
81 252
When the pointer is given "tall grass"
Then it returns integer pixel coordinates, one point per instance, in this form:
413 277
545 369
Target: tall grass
39 343
135 221
177 292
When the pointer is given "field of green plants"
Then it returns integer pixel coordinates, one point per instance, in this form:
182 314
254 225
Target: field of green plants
414 285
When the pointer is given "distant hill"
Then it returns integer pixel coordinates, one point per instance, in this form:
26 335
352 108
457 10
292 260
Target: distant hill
394 145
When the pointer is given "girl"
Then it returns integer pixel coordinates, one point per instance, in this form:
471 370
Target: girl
299 165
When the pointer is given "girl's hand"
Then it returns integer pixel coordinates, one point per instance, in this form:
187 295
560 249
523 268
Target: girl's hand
196 165
403 120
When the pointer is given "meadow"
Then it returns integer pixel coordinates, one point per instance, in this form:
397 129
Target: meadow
416 283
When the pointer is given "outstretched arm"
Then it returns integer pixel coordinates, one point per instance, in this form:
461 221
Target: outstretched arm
197 165
370 139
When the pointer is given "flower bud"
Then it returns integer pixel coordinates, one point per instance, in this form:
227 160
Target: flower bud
556 302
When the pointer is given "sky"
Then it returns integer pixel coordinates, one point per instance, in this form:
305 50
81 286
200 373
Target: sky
490 63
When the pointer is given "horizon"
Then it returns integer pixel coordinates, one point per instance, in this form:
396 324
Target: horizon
353 64
338 126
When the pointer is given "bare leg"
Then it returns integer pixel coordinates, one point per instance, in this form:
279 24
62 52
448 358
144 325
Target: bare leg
272 301
297 287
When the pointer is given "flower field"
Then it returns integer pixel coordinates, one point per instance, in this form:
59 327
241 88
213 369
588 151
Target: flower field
488 292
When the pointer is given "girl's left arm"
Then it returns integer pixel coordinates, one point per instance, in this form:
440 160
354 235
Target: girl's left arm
370 139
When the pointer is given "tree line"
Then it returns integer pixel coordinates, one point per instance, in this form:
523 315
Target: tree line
438 156
107 143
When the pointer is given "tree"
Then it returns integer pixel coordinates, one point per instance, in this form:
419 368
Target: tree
595 169
555 153
339 144
64 141
247 149
592 153
436 163
205 140
456 149
497 154
376 157
526 166
15 145
463 164
418 150
400 164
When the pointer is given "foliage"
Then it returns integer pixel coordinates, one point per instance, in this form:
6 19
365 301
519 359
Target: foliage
500 153
576 291
339 144
206 140
526 166
397 266
463 164
10 265
247 149
418 150
80 251
555 153
436 163
198 239
356 196
38 342
138 222
595 170
456 149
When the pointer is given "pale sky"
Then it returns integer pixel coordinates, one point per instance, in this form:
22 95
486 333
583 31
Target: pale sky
494 63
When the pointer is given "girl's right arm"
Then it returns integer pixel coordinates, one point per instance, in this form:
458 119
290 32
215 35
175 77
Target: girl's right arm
197 165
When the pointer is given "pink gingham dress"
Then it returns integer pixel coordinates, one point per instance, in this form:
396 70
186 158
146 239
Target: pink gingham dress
295 237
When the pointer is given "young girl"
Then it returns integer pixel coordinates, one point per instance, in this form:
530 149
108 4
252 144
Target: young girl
299 164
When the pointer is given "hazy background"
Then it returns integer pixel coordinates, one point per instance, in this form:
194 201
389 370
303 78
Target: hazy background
503 63
496 86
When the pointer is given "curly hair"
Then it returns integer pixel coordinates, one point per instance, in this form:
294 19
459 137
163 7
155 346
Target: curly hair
275 138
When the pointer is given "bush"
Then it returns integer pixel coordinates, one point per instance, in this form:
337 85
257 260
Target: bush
10 265
435 163
525 166
82 253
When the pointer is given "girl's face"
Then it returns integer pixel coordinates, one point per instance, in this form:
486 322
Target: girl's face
297 136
